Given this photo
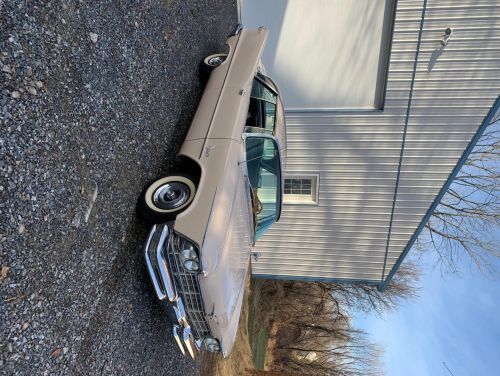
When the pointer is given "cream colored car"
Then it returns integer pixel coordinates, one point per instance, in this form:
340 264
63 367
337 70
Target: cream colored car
229 192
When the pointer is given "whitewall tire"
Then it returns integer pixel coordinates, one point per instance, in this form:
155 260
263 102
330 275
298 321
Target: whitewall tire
169 196
213 61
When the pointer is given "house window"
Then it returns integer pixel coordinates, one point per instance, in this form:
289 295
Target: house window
298 186
301 190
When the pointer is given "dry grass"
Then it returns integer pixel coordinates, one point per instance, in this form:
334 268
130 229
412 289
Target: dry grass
265 295
239 362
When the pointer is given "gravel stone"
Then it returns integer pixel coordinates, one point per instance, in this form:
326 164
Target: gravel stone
93 37
81 292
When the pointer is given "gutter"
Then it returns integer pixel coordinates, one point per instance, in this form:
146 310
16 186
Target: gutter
403 143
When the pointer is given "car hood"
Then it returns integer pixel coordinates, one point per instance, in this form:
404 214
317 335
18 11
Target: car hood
225 256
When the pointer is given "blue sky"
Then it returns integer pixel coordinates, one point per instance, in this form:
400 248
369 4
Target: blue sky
455 319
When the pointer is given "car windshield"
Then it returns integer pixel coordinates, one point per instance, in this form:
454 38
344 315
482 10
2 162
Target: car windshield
264 173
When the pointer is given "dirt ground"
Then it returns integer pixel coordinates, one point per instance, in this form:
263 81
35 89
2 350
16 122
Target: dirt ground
96 98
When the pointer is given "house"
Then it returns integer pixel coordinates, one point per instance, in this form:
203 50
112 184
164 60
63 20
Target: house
384 100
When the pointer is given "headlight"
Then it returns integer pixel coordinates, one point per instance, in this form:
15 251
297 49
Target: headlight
211 344
189 256
188 252
191 265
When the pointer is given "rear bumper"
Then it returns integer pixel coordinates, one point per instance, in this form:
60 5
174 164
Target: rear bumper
158 264
236 30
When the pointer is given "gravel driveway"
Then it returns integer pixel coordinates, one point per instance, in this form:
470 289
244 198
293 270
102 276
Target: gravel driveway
95 101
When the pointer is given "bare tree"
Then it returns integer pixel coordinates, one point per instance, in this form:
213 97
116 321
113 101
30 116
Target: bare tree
466 222
368 298
313 334
330 351
312 298
312 331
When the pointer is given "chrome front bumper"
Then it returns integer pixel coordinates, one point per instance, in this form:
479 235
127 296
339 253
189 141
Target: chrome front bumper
165 288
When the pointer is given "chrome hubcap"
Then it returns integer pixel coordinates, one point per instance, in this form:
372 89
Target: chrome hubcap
171 195
216 61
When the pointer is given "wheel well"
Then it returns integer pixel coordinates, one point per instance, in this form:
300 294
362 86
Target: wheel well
190 166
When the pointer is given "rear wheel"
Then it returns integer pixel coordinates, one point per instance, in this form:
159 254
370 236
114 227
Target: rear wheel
166 197
213 61
210 63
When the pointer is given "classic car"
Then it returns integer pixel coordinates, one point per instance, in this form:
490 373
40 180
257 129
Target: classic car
229 191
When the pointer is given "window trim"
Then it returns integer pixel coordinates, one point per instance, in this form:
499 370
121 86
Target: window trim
262 78
281 172
313 199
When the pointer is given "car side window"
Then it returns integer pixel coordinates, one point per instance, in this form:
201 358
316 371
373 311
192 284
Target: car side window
260 91
262 109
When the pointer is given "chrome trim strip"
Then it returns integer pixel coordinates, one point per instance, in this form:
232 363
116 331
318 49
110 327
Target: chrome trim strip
251 217
162 266
228 61
152 274
176 333
198 343
180 312
205 235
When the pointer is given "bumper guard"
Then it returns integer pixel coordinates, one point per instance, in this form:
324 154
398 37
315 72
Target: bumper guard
165 289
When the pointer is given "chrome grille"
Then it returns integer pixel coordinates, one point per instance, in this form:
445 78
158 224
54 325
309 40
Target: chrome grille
188 288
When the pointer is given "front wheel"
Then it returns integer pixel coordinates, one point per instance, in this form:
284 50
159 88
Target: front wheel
165 198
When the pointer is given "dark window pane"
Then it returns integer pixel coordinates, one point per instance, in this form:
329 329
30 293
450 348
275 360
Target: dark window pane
298 186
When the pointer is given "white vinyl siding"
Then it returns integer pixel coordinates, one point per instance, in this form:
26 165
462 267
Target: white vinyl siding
357 154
